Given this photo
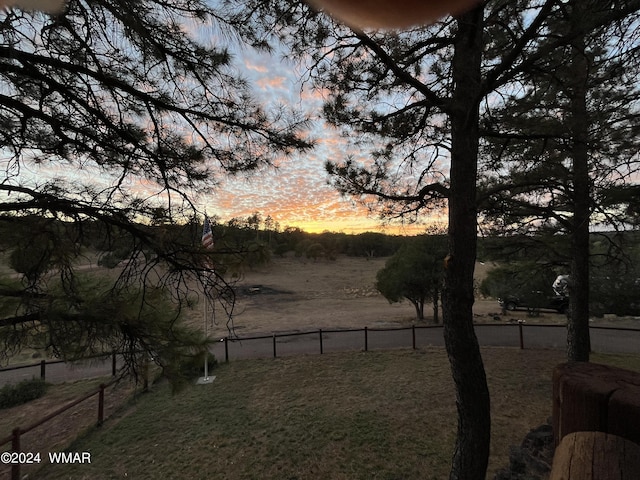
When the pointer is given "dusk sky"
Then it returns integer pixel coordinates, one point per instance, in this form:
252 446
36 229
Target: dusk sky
297 193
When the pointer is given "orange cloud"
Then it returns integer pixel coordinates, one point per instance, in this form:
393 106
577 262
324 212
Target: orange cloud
297 194
271 83
249 65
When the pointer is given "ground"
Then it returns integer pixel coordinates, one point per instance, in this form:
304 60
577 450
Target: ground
292 294
57 433
289 294
299 294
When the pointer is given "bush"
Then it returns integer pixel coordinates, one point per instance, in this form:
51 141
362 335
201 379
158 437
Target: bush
113 258
193 367
23 392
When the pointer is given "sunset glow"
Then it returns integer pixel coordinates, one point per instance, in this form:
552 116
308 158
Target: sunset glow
296 192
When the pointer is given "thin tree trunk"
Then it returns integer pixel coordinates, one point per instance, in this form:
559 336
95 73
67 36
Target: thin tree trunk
419 307
474 421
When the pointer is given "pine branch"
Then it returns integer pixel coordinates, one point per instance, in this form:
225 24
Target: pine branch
402 74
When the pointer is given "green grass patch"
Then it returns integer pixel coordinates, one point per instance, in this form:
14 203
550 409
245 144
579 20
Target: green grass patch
22 392
376 415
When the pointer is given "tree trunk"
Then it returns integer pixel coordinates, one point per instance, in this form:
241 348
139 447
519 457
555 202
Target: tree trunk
419 306
578 342
436 317
474 422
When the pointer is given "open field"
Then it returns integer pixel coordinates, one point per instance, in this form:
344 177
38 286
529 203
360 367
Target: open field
297 294
374 415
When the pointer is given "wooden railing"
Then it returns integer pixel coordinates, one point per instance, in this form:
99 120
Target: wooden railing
14 439
44 363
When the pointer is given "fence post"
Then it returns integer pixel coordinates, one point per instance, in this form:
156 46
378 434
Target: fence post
43 368
320 336
274 345
101 405
113 363
366 339
15 447
413 336
226 349
521 335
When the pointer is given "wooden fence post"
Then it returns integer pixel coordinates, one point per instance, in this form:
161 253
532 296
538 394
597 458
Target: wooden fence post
413 336
274 345
101 404
226 349
596 455
113 363
366 339
321 346
15 447
43 368
521 335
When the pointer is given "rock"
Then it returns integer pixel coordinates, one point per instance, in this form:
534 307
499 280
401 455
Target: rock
532 459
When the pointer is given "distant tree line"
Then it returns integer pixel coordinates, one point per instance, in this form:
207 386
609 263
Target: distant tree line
235 237
618 250
264 231
527 264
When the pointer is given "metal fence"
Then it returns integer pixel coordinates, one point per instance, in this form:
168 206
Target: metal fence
319 341
521 335
58 371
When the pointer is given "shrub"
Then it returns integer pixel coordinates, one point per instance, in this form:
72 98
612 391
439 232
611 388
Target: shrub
193 367
112 258
23 392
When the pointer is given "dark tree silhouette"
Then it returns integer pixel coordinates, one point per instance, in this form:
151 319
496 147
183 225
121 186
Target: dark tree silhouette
114 116
563 150
412 103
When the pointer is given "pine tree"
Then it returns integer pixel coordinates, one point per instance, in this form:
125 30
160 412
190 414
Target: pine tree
411 105
114 117
564 138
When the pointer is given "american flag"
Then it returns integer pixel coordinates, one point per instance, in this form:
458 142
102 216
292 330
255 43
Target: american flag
207 235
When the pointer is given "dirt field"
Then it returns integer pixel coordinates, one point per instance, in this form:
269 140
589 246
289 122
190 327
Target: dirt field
296 294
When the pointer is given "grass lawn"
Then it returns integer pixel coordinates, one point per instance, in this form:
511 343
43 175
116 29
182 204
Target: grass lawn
375 415
57 433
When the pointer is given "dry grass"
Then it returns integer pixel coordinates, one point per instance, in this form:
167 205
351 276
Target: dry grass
59 432
375 415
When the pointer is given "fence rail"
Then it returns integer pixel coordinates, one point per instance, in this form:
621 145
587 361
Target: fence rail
16 433
522 335
604 339
46 373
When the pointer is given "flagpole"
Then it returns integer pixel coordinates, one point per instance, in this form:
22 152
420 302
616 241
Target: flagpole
206 357
207 242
